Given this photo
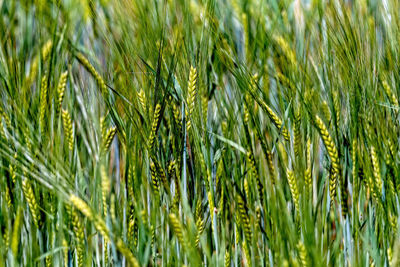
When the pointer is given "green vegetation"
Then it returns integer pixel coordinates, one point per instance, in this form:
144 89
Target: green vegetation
199 132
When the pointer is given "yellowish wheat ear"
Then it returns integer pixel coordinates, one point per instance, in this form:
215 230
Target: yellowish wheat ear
61 89
84 208
2 132
16 232
132 261
89 67
109 136
246 187
377 171
65 250
227 262
390 94
161 174
326 111
43 102
297 134
80 237
244 219
287 50
177 114
245 33
277 121
31 199
46 49
105 188
68 130
252 163
142 99
271 168
302 254
246 115
7 196
212 206
177 227
200 229
103 128
81 205
293 189
155 178
13 174
6 118
156 117
336 105
247 256
307 171
191 97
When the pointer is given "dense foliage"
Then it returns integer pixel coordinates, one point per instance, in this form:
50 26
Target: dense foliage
199 132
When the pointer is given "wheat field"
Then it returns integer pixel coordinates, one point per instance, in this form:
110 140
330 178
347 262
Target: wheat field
199 133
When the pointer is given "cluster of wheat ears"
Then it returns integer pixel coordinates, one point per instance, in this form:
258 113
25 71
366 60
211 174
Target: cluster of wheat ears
199 133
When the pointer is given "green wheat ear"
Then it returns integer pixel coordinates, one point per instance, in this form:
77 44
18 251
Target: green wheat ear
230 160
332 152
204 107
